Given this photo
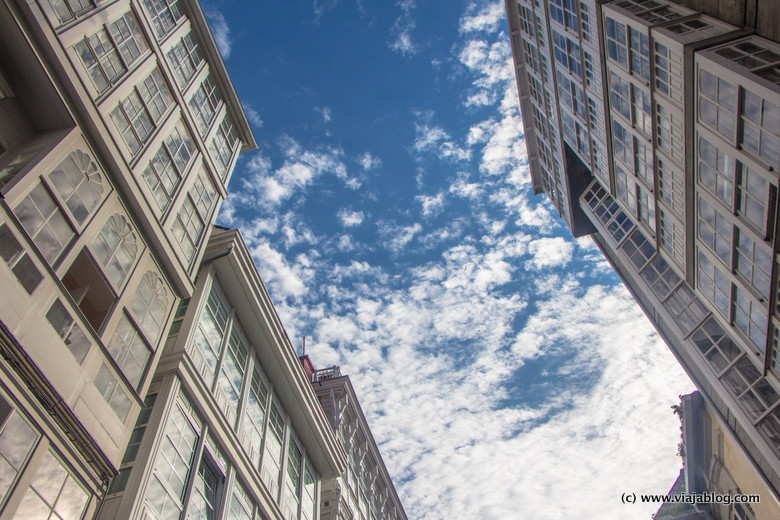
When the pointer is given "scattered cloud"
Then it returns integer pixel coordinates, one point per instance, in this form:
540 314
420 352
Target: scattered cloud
368 161
431 204
351 218
489 18
295 231
323 6
401 31
432 138
284 277
299 169
220 30
252 115
503 149
550 252
346 244
492 62
397 237
325 112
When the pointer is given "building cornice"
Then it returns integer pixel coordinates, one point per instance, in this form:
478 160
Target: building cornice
214 56
242 284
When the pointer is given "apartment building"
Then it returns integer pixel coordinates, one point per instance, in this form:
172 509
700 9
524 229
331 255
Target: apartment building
364 489
119 130
231 426
686 208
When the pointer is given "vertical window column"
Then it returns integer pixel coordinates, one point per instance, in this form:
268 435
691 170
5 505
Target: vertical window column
164 173
166 488
194 215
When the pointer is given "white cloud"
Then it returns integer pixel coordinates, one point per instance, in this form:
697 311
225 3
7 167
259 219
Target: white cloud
401 31
325 112
351 218
368 161
431 204
300 168
285 279
430 138
346 244
504 151
489 18
462 187
295 231
492 62
321 6
220 30
397 237
252 115
550 252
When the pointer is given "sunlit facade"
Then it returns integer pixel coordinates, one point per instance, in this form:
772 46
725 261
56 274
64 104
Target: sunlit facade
119 131
231 427
685 208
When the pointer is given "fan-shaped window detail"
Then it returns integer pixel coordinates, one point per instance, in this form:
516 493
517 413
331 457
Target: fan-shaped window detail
116 248
78 182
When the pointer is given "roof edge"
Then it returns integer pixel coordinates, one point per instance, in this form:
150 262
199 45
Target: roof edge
217 63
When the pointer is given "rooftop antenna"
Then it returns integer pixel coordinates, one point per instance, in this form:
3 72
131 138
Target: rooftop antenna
304 346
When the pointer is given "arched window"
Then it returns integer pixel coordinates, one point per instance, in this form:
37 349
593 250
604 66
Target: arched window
116 248
149 305
79 184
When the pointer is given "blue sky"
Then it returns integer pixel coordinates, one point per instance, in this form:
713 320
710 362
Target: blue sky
505 372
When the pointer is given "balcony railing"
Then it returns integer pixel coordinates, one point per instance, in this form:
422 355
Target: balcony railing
326 373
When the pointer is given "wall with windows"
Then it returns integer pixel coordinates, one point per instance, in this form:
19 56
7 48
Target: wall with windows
556 51
167 107
649 103
711 353
110 180
40 475
535 80
738 155
224 428
364 491
85 297
631 99
180 466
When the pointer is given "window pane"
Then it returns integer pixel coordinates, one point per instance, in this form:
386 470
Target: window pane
53 490
129 351
116 248
149 305
78 182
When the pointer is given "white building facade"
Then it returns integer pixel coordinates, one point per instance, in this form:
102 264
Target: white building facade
232 428
119 130
686 208
364 489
